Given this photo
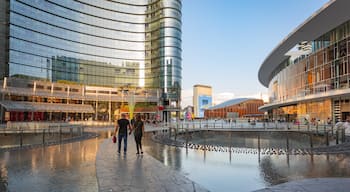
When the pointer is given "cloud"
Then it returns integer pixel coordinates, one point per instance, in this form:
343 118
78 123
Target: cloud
187 97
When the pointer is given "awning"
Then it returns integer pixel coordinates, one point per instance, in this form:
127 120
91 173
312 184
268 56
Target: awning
25 106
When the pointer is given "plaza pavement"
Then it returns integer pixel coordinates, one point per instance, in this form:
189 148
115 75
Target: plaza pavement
135 173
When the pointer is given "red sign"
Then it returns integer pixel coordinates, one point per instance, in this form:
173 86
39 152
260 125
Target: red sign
160 108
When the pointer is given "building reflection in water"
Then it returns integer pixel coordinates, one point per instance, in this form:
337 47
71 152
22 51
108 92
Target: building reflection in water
169 156
250 140
243 168
274 169
66 167
71 167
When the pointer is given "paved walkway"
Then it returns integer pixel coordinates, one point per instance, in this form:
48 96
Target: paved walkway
130 172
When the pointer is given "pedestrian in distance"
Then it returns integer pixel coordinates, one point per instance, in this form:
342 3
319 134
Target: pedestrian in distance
121 128
139 130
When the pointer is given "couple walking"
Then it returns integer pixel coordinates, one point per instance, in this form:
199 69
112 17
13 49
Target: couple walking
122 127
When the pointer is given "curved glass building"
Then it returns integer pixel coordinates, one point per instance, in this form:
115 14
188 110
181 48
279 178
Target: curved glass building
119 43
308 73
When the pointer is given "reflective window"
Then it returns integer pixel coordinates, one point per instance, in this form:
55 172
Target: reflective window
109 43
69 23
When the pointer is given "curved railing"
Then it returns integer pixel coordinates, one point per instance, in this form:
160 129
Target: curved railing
328 133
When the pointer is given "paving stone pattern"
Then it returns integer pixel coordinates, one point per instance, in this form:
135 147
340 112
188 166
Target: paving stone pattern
134 173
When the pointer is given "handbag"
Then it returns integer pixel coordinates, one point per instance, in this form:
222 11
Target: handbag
114 139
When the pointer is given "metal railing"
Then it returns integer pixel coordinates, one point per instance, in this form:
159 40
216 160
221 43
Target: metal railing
221 124
55 133
330 132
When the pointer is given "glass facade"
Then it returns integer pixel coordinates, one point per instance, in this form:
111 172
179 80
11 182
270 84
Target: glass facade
134 43
325 70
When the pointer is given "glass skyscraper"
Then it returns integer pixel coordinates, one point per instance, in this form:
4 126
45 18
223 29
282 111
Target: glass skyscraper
118 44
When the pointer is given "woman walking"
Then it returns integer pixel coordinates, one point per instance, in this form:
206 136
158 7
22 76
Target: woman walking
139 130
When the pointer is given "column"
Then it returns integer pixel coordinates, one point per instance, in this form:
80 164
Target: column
2 99
67 101
82 100
50 114
96 109
82 113
110 107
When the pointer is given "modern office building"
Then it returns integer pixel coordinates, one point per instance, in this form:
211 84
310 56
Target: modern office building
202 99
120 48
311 83
236 108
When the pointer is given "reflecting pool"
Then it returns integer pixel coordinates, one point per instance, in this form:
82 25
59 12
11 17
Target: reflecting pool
65 167
71 167
243 168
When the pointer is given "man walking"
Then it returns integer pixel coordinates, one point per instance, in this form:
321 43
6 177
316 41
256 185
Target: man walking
122 127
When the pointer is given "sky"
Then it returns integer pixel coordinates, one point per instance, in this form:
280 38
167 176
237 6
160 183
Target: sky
224 42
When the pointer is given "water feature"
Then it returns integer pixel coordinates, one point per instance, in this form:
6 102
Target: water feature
71 167
291 140
243 167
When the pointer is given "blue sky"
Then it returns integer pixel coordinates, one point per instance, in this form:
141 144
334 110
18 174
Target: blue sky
224 42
